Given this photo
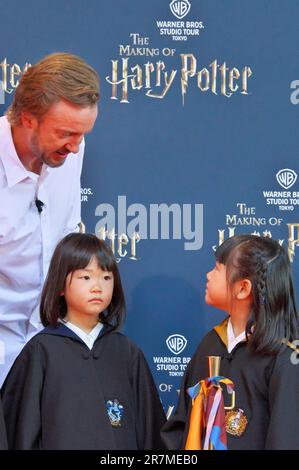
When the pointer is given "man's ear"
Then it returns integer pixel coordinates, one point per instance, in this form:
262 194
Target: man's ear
243 289
28 120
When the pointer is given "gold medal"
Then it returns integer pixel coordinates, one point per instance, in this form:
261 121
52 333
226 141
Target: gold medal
235 422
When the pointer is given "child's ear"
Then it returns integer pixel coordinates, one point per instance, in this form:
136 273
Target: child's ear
243 289
61 293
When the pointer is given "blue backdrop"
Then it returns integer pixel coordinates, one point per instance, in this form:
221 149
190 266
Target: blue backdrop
174 157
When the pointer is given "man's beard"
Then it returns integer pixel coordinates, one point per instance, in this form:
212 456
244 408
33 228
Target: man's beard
37 152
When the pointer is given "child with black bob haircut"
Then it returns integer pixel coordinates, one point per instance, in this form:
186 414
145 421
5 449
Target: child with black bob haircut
252 282
80 383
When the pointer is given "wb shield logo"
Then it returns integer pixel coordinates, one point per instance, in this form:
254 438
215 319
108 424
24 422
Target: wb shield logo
176 343
180 8
286 178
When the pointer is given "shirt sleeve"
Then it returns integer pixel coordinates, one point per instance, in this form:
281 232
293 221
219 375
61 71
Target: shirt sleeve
21 398
284 406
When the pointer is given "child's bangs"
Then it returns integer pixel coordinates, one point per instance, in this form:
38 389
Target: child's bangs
86 248
105 260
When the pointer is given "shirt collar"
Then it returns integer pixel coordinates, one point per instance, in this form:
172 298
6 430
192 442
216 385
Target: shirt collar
233 340
231 334
13 167
94 333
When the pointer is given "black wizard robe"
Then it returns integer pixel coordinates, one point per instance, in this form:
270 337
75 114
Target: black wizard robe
61 395
266 395
3 439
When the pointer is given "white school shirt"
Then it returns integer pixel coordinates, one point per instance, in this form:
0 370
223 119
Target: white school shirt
27 237
87 338
233 340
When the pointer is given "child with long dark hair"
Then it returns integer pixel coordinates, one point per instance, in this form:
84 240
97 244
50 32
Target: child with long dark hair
252 282
80 383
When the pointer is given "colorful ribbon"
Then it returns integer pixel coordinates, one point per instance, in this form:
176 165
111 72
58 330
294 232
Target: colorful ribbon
207 419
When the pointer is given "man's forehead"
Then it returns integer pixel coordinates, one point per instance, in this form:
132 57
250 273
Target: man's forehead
70 117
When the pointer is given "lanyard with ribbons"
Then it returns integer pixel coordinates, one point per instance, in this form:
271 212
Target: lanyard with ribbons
207 429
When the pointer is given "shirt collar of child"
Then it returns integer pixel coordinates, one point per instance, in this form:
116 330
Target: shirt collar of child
87 338
233 340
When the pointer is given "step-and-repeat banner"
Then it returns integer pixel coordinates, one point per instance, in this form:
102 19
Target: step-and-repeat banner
197 140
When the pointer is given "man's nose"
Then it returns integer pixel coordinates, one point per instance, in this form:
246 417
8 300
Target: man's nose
74 145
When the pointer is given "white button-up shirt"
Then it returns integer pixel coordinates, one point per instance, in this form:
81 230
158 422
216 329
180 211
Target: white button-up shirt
87 338
27 237
233 340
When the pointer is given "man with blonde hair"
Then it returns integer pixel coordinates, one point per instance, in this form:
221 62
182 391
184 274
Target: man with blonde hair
41 154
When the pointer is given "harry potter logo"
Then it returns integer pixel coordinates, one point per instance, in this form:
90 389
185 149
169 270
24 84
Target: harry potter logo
2 95
292 243
10 74
156 80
